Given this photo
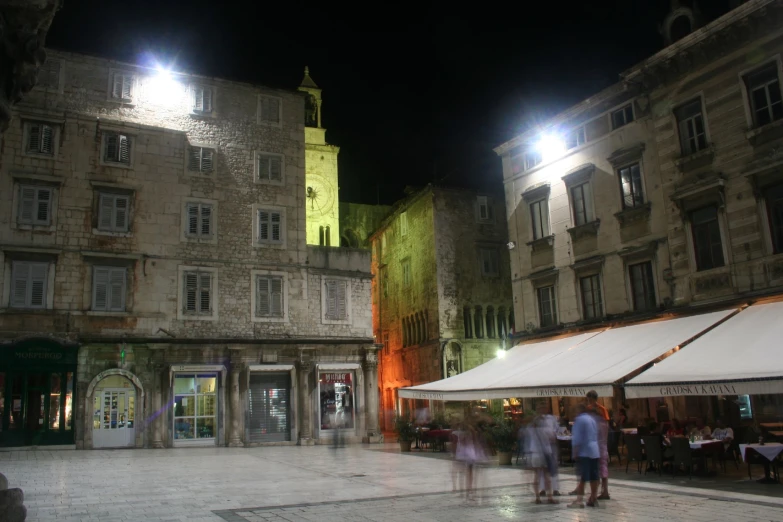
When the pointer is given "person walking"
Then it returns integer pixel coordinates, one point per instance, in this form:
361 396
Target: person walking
539 440
584 439
602 420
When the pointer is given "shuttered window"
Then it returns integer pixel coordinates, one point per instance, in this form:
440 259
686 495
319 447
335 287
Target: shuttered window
202 99
198 293
108 289
35 205
269 109
199 219
122 86
117 148
269 296
201 159
40 139
336 299
270 226
270 167
489 262
113 210
28 286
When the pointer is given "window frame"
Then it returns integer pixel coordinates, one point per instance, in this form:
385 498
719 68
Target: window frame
774 64
532 158
325 318
38 153
260 110
201 148
652 282
545 229
552 291
683 119
596 290
485 202
492 251
257 156
407 272
624 110
34 222
133 80
12 266
698 261
643 198
112 271
199 237
105 135
116 196
576 132
587 202
194 95
776 242
182 287
403 224
271 210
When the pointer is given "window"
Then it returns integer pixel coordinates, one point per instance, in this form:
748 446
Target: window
406 272
269 296
622 117
467 323
532 158
539 216
547 310
485 212
198 293
108 289
199 219
707 245
201 159
581 200
35 205
270 167
113 212
40 138
575 138
774 199
631 186
490 320
117 148
269 109
764 93
123 86
591 297
642 286
270 226
336 299
690 122
478 322
202 99
489 262
28 289
404 224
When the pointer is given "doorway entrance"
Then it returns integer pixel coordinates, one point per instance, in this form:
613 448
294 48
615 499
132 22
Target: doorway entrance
114 413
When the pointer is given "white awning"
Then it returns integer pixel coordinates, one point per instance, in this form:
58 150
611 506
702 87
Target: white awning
571 366
741 356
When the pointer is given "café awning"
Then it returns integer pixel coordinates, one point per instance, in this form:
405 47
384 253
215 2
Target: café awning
570 366
741 356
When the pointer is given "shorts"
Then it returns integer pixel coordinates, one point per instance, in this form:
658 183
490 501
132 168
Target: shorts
587 469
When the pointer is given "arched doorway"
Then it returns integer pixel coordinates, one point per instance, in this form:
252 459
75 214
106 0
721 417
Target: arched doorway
114 410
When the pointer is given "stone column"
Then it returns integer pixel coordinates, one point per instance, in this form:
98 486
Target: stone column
305 368
236 410
370 367
158 413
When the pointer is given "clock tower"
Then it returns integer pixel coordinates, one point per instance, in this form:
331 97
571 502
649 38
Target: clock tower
321 189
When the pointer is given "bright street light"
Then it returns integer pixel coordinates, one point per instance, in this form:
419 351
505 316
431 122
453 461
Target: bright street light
501 353
551 147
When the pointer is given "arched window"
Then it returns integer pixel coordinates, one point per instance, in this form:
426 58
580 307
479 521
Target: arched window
467 323
321 239
478 319
490 322
328 235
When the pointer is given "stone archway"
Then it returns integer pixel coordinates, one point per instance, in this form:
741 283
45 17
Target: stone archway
139 401
452 358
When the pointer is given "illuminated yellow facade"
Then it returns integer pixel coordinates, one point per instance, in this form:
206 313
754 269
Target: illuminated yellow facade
321 186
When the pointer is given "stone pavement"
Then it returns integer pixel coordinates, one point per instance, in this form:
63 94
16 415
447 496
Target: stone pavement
323 484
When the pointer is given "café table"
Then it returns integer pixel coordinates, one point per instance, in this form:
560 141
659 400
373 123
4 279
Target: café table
629 431
770 451
776 433
439 438
771 425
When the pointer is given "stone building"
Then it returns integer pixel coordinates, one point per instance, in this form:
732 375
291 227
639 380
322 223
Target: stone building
358 221
441 293
156 284
660 194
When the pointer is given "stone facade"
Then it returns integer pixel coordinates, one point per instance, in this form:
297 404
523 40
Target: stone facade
189 193
431 282
358 222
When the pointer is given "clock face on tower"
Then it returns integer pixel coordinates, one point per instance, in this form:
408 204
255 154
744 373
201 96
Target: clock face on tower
319 195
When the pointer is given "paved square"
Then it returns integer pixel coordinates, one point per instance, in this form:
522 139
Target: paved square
323 484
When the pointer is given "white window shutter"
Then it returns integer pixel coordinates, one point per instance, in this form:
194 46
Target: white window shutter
33 137
275 169
206 103
105 211
43 206
47 139
27 204
194 159
125 149
277 296
331 300
276 226
206 220
206 160
263 309
127 84
191 289
100 290
341 300
112 147
117 86
21 275
263 225
121 213
198 99
192 211
263 167
117 289
38 285
205 293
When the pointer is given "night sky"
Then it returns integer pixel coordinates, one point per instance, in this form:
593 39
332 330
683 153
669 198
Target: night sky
413 92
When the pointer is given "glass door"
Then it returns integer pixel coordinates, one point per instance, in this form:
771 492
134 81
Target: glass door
195 409
113 418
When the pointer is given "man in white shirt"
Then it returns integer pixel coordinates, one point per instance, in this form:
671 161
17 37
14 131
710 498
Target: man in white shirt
723 433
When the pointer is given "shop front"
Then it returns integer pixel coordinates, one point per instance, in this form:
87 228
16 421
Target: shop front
37 393
271 403
196 412
337 395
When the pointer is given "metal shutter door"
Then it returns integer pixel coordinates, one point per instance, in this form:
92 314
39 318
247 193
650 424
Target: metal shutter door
270 407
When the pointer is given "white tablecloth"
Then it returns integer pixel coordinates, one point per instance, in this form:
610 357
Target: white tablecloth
629 431
563 437
697 444
770 450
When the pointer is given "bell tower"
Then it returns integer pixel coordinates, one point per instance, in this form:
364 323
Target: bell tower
321 187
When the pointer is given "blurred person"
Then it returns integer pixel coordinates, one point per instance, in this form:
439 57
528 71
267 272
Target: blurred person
539 439
722 432
675 430
584 441
470 452
601 417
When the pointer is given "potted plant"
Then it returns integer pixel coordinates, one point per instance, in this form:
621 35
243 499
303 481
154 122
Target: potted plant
405 431
503 434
